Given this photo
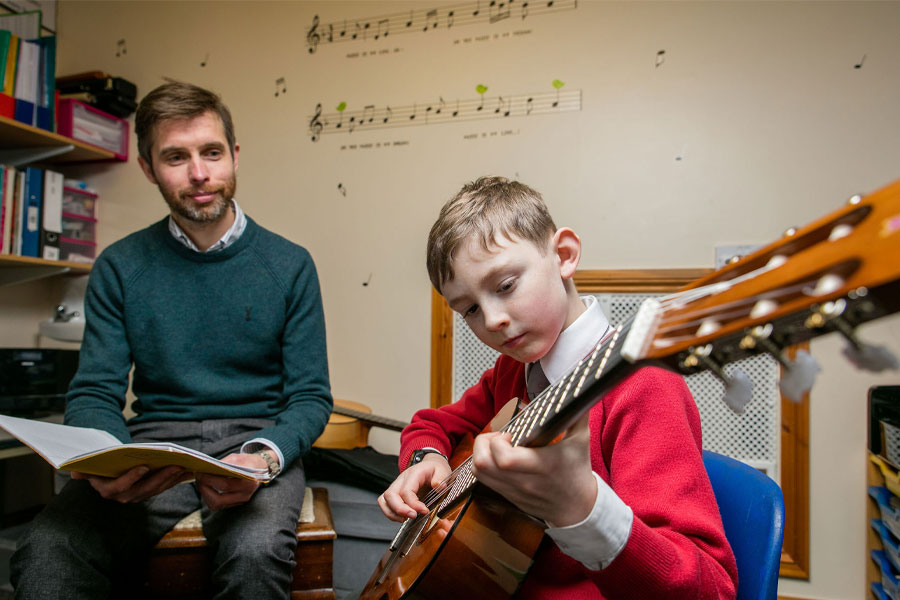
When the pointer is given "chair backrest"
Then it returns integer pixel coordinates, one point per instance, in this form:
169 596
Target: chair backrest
752 509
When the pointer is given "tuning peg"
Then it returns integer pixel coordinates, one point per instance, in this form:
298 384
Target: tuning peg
797 375
738 387
869 357
738 391
862 355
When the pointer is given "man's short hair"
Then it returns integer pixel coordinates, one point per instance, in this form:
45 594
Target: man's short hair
177 100
487 208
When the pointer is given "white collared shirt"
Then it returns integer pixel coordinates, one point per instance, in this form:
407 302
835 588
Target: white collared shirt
234 232
601 536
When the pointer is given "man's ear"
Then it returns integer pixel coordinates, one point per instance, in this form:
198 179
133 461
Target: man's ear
567 247
234 156
148 170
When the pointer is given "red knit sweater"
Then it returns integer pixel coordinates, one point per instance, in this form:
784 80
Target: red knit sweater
646 444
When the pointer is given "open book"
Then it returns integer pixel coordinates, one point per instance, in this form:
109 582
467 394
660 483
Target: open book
97 452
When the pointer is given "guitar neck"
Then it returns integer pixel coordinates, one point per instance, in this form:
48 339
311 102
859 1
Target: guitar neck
370 419
559 406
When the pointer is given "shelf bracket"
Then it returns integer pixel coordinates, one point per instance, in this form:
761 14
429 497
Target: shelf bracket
21 156
12 275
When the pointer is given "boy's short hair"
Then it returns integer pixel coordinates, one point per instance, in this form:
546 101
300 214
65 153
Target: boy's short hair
177 100
487 207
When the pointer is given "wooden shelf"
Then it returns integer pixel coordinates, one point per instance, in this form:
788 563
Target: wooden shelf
17 137
19 269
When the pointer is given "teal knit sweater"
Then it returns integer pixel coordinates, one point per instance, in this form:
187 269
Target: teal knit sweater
236 333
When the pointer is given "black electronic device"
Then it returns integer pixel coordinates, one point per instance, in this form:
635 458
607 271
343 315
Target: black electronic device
34 381
884 405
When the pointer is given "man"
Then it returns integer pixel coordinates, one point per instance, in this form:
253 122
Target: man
222 323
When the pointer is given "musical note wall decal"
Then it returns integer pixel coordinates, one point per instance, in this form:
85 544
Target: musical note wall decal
428 19
280 87
481 89
372 117
315 124
557 85
121 50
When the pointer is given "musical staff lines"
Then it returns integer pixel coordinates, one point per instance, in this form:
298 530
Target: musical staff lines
429 19
372 117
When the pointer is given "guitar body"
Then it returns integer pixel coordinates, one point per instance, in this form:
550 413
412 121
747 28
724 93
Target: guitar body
480 549
480 531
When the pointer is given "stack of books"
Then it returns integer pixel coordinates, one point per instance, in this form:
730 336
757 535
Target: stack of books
42 215
28 78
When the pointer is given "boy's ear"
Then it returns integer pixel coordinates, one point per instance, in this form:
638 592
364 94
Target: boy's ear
567 247
148 170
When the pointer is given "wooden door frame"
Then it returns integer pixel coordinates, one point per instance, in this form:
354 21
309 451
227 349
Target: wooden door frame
794 466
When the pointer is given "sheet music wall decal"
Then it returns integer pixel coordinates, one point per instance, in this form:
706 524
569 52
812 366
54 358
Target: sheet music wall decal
428 19
432 113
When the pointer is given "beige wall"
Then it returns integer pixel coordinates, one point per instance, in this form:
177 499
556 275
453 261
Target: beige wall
756 121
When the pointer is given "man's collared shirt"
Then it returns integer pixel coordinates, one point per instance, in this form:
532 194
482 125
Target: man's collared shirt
231 236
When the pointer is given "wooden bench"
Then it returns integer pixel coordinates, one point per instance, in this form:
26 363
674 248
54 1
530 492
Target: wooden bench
178 567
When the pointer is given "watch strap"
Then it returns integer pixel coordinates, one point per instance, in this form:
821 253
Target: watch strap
419 455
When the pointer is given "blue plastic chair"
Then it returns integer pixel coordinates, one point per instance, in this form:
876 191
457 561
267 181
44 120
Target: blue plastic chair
752 509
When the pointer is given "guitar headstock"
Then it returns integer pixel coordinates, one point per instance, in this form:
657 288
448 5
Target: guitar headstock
831 275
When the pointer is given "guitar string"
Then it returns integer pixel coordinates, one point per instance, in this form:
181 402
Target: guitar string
543 401
695 317
720 286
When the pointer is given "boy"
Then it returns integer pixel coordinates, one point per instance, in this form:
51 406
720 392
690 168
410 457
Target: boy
625 495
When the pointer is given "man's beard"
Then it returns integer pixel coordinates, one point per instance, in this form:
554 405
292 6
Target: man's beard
182 205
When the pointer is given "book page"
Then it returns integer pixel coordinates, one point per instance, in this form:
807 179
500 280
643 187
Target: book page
57 443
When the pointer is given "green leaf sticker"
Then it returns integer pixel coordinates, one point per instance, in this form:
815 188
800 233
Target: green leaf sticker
558 84
341 106
481 88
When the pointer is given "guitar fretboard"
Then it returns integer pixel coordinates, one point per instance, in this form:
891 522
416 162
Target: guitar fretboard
553 411
365 417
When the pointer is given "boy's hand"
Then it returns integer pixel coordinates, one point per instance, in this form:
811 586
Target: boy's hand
553 483
223 492
137 484
401 501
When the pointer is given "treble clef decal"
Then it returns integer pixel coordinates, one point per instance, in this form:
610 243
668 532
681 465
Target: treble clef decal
312 36
315 125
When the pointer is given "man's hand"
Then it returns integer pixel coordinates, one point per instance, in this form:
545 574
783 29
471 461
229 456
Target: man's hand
223 492
553 483
137 484
401 501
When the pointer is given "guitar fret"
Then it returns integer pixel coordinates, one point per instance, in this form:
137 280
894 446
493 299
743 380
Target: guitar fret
587 368
517 428
540 401
551 400
565 395
606 355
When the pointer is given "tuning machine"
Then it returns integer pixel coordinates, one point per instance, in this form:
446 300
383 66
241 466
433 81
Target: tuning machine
738 387
868 357
797 375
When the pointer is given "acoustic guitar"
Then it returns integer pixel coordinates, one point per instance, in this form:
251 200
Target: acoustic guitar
831 275
349 424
